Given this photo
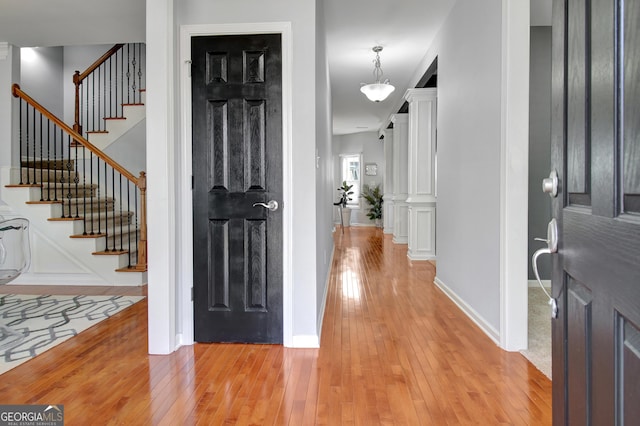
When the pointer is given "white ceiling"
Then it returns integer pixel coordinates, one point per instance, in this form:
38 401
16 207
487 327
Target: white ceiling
405 29
37 23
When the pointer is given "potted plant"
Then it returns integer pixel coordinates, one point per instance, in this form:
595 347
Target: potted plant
373 195
345 196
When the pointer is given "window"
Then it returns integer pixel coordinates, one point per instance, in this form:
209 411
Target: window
351 172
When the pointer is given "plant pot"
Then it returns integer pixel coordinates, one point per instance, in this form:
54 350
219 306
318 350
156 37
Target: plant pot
346 216
378 223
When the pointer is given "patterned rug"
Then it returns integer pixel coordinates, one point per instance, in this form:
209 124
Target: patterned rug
32 324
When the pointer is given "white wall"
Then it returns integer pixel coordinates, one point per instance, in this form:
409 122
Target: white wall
41 77
469 135
324 165
372 149
482 163
9 74
77 58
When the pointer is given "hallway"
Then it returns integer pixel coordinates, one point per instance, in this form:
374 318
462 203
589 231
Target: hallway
395 350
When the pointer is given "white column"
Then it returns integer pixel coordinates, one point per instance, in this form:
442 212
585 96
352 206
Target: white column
387 186
421 198
400 178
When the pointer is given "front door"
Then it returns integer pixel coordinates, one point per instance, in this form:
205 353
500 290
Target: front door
596 151
237 168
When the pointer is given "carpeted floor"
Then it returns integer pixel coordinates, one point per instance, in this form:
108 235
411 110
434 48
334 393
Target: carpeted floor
32 324
539 351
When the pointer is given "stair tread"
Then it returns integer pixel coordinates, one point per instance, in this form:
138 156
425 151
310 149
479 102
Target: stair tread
110 253
111 234
133 268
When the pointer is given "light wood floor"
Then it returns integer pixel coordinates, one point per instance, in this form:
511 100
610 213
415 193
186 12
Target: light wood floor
394 350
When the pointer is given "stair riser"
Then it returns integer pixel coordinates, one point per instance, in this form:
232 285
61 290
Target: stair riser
80 209
39 175
49 164
60 194
96 223
126 245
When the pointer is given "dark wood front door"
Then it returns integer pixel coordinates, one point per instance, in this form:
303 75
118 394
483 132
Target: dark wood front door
237 162
596 151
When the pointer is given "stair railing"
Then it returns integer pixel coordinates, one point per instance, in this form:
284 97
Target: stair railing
89 184
117 78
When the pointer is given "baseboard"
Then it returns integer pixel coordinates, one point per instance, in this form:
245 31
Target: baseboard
59 279
545 283
306 342
469 311
324 296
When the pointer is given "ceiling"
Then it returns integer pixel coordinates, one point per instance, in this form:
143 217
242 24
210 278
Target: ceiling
37 23
404 28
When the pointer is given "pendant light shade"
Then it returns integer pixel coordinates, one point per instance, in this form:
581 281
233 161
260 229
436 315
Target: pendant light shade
378 91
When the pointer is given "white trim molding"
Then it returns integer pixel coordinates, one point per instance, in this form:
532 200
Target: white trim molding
469 311
514 169
4 50
186 207
534 284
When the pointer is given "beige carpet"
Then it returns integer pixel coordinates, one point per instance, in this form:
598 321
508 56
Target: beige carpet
539 351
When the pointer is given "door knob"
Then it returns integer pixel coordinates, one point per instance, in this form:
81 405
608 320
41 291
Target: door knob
550 184
271 205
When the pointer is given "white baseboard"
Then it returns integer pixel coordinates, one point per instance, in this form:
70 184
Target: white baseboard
545 283
324 297
306 342
59 279
469 311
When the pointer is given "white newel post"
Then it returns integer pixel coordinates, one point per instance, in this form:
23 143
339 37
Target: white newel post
421 198
387 205
400 178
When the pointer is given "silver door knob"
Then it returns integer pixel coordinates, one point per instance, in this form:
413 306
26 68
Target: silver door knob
271 205
550 184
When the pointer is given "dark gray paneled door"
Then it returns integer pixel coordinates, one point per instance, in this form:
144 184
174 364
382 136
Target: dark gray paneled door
596 151
237 162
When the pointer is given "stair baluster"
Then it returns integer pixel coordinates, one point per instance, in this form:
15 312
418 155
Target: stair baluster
118 191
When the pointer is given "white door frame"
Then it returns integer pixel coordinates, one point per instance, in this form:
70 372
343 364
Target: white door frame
185 284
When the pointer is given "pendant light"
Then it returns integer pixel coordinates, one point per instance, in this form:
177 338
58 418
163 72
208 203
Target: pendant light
378 91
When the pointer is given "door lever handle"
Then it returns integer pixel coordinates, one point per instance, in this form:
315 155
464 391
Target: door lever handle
552 247
271 205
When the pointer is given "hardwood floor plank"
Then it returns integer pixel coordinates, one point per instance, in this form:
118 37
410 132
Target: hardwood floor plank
394 351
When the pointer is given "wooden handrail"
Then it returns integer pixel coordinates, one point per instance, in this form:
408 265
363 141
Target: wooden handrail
79 77
140 182
96 64
18 93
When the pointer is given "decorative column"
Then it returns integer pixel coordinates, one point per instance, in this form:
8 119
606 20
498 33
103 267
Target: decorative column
421 199
387 206
400 178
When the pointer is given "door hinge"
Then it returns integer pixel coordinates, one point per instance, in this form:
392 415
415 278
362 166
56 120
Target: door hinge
188 62
193 182
192 294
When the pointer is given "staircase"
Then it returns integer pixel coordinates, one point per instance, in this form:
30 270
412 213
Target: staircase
116 127
83 232
87 213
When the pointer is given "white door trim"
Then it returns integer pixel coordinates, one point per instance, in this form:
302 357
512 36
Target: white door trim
514 170
185 223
